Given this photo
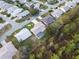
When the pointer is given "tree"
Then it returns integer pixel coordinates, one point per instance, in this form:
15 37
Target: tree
32 56
1 20
55 56
70 47
77 57
34 11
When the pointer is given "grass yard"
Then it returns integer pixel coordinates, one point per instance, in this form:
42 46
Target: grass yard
30 26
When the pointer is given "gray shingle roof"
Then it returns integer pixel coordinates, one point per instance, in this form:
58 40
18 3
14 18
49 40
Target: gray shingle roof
48 20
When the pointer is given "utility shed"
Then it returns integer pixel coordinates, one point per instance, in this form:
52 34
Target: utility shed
23 34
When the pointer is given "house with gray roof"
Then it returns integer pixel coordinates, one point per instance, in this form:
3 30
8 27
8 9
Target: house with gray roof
48 20
57 13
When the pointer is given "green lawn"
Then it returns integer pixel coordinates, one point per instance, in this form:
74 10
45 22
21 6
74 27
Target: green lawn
30 26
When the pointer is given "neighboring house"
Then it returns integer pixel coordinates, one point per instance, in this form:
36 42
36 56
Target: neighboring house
35 21
65 8
71 4
23 34
48 20
11 9
7 51
57 13
38 30
39 17
36 6
77 1
22 1
24 13
61 1
14 10
4 5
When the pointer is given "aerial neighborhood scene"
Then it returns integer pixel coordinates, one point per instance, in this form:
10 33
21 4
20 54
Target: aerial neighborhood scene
39 29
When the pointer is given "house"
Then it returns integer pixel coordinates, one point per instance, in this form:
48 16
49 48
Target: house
24 13
23 34
48 20
7 51
61 1
17 11
36 6
65 8
38 30
57 13
77 1
39 17
4 5
35 21
71 4
22 1
14 10
1 4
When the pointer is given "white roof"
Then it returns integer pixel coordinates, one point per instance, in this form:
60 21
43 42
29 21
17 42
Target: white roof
7 51
25 13
4 5
71 4
1 4
14 10
23 34
17 11
65 8
76 1
39 27
37 5
61 1
57 13
35 21
22 1
11 9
